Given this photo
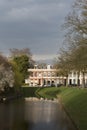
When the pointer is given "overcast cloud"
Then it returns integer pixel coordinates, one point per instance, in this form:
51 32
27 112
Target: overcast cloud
33 23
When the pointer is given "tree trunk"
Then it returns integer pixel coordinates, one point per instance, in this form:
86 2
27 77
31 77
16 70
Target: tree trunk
78 80
66 80
83 79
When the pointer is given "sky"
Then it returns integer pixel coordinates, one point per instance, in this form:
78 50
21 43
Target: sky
34 24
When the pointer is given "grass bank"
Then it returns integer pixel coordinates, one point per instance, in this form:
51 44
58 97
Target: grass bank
74 101
48 92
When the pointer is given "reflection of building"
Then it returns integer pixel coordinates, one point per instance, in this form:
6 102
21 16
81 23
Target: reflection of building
44 77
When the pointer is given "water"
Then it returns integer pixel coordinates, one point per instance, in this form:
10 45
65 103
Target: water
31 115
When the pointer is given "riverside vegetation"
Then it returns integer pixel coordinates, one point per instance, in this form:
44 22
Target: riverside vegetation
73 100
13 72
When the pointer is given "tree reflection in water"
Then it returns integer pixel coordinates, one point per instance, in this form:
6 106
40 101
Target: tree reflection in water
28 115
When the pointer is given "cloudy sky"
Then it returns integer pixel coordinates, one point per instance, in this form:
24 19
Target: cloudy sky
33 23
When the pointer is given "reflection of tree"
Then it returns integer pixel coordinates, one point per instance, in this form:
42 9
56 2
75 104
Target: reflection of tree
21 116
22 125
12 116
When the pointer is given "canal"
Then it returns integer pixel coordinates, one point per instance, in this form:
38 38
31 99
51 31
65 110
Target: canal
33 115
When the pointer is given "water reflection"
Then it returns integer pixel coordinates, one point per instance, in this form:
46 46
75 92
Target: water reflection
28 115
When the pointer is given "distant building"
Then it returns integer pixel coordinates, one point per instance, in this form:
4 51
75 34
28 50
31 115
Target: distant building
74 78
43 77
48 77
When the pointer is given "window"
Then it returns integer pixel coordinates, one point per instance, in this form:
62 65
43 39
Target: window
70 74
74 81
74 74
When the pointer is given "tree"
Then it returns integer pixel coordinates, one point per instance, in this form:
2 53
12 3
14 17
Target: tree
64 65
76 23
79 59
19 52
6 74
18 77
76 37
42 65
23 61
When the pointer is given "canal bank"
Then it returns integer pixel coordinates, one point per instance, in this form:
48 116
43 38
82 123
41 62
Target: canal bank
74 101
10 96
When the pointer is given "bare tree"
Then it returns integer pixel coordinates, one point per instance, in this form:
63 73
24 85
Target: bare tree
76 39
18 52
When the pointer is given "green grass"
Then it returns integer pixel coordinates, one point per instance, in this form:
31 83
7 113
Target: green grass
48 92
74 101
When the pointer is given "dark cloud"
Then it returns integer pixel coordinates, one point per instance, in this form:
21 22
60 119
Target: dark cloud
33 23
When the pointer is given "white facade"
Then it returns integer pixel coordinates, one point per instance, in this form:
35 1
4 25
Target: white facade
74 78
47 77
44 77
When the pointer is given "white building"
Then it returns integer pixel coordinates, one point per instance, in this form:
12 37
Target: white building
48 77
44 77
73 78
